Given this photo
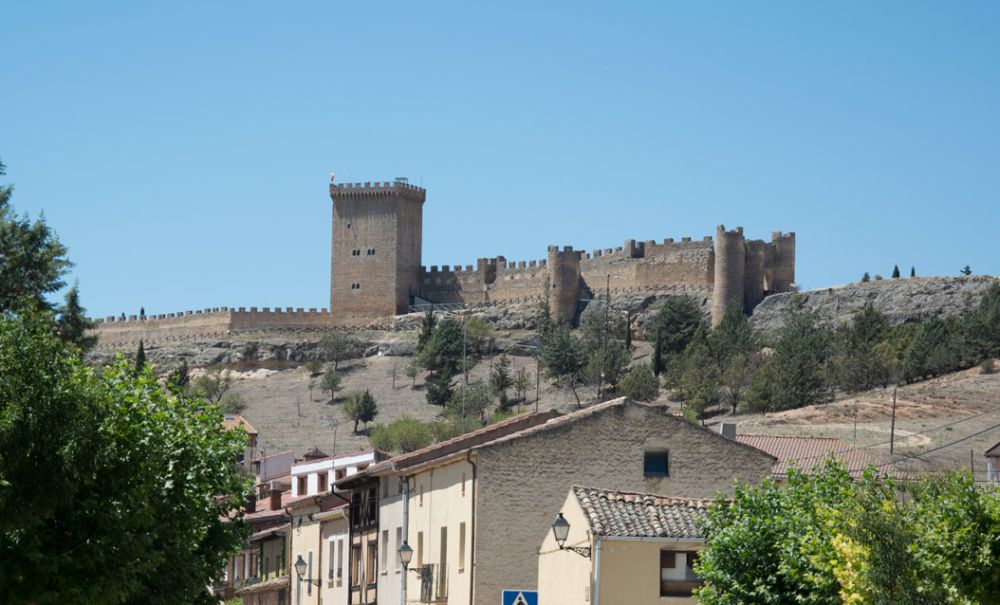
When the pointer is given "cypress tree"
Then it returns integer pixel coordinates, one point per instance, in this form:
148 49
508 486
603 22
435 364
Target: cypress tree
895 272
658 356
140 358
913 271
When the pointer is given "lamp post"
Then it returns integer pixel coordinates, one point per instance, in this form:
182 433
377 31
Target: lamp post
560 529
405 556
300 570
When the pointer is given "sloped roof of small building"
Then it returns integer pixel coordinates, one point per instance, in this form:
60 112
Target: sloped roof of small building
993 451
630 515
808 452
231 421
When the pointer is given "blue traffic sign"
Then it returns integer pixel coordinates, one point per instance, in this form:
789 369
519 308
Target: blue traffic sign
520 597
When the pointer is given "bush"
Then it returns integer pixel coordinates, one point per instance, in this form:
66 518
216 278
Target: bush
401 436
439 390
640 384
987 366
360 407
314 366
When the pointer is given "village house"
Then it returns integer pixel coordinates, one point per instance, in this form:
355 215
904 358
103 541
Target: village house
259 573
474 510
993 465
319 525
615 547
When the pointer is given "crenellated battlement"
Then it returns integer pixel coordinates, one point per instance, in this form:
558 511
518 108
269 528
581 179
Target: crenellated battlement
371 189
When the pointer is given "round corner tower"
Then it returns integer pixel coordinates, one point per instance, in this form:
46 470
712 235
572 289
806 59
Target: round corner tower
564 282
730 271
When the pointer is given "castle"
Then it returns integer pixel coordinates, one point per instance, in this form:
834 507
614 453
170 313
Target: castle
375 268
376 274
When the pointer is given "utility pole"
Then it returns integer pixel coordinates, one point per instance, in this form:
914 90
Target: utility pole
604 341
892 429
538 380
465 367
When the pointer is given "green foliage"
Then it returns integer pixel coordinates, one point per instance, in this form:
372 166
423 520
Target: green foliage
913 271
401 436
522 382
360 407
331 382
966 270
675 324
694 375
113 490
32 259
140 358
470 401
479 336
864 357
439 389
932 351
981 327
178 380
658 363
866 277
232 403
561 354
988 366
339 346
426 330
442 353
411 371
800 355
314 367
501 380
605 355
213 384
824 538
640 384
73 323
895 272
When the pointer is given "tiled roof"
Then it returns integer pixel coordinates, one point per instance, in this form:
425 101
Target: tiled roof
462 442
993 451
807 452
231 421
629 515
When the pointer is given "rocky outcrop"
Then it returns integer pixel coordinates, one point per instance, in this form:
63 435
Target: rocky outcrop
902 300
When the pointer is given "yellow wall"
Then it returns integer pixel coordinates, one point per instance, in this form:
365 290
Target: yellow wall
444 503
629 570
274 558
336 547
564 577
390 520
305 538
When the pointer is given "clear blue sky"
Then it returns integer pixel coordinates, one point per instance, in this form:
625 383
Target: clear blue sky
182 150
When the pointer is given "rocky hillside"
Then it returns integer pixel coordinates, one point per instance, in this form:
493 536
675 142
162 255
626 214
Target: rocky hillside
902 300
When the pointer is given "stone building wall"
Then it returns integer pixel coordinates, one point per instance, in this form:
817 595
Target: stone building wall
523 481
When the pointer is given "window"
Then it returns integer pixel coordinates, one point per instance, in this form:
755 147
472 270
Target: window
370 572
677 577
656 463
399 542
372 505
355 564
339 474
384 561
461 547
421 498
420 549
322 482
340 560
463 484
303 483
331 557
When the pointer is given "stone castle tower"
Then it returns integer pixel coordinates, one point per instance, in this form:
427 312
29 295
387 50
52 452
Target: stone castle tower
748 270
375 257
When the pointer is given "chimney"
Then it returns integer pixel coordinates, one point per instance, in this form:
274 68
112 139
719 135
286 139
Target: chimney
251 503
728 430
275 495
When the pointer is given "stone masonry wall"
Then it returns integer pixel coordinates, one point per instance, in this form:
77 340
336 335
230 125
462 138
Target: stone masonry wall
523 482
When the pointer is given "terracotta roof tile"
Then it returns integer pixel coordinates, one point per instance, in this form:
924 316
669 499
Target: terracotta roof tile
808 452
231 421
630 515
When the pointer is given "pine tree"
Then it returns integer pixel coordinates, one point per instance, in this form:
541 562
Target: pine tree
866 277
140 358
895 272
913 271
178 380
966 270
657 357
501 380
426 330
73 322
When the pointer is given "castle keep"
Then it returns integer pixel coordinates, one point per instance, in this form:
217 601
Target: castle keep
376 273
376 269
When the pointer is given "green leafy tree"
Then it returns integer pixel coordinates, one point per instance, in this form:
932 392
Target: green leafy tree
799 361
675 324
479 335
657 363
426 330
980 327
439 389
73 322
331 382
339 346
314 367
32 259
232 403
140 494
966 270
733 336
470 401
931 352
561 354
501 379
442 353
606 356
178 380
522 382
736 377
140 358
694 374
895 272
213 384
411 373
401 436
640 384
913 271
866 277
360 407
863 358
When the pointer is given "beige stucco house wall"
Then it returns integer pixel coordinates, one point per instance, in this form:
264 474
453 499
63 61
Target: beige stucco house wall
523 478
564 577
334 545
305 543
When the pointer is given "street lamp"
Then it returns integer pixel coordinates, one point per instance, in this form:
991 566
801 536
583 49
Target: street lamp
300 570
560 529
405 554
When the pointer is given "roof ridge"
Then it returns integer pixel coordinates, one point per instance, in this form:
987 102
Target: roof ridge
790 437
678 499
